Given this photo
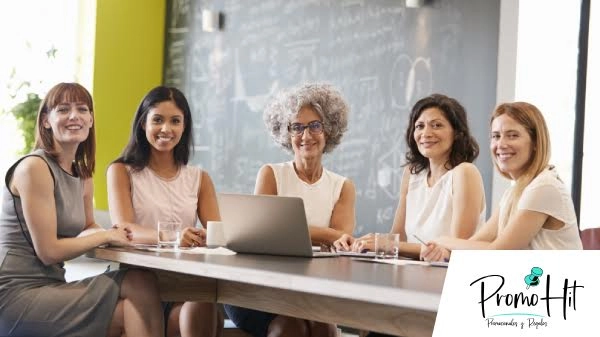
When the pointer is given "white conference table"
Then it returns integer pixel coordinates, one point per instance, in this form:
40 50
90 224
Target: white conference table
400 300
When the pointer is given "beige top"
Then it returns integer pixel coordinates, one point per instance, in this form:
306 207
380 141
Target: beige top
547 194
319 198
155 198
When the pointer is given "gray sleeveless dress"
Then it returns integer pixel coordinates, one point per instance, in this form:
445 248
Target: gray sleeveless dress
35 299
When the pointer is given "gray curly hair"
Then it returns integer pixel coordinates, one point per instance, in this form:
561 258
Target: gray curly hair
324 98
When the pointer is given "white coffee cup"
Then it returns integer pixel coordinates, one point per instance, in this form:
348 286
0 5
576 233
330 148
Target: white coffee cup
215 237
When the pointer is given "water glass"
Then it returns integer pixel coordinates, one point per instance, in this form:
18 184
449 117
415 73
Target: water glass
393 246
387 245
381 243
169 233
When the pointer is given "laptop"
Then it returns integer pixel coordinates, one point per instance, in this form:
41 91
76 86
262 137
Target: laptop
266 224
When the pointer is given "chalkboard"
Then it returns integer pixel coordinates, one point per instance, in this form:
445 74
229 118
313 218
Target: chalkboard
380 54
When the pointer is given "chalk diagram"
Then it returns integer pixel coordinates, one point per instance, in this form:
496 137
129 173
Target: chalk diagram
255 103
410 80
389 171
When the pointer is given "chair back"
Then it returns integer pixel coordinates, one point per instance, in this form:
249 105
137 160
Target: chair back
590 238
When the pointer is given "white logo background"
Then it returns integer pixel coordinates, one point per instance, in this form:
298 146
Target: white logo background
460 313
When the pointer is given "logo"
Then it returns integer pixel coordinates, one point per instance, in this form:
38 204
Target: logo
533 279
541 299
533 293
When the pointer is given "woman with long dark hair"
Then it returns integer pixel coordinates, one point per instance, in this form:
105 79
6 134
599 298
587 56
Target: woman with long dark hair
152 181
441 192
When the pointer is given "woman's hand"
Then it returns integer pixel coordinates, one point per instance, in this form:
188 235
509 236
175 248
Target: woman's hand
193 237
434 252
365 242
344 243
119 236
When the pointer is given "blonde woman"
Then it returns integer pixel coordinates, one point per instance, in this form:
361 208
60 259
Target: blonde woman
537 211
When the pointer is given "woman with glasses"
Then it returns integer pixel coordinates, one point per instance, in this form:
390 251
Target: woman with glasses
307 121
441 192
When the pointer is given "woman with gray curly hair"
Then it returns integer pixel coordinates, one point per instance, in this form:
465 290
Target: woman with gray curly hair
323 99
307 121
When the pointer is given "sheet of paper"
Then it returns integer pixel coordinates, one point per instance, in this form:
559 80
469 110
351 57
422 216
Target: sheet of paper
403 262
195 250
369 255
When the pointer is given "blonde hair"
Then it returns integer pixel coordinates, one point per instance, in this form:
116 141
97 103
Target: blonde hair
530 117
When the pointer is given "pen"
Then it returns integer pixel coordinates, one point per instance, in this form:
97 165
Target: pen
423 242
420 240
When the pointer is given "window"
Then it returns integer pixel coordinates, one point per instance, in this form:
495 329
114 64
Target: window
43 53
547 71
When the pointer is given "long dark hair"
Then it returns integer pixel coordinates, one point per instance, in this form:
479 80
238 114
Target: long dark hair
85 156
137 152
464 147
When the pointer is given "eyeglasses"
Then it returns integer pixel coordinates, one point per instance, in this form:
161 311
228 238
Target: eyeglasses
314 127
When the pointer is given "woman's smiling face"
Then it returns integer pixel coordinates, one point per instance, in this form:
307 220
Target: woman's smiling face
511 146
164 126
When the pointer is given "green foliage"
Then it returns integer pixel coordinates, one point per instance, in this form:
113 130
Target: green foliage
25 113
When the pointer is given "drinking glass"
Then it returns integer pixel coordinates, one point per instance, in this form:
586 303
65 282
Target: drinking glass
393 246
169 233
381 243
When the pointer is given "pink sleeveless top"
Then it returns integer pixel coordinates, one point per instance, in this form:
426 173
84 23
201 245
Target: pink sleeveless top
155 198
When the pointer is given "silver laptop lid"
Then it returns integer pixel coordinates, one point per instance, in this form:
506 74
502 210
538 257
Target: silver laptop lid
265 224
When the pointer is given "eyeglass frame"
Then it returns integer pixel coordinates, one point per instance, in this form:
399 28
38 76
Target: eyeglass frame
306 126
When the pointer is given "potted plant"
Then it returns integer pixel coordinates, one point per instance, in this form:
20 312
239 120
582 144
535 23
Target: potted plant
25 114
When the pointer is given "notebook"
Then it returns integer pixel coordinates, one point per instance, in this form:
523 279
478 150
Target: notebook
266 224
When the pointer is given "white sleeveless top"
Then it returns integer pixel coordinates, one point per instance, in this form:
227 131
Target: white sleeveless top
429 209
547 194
319 198
155 198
